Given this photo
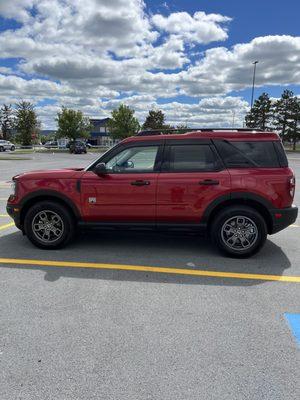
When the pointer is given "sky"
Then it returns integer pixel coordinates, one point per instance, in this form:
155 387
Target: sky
190 58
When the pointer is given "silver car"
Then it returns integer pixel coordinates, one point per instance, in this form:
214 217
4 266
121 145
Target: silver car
6 145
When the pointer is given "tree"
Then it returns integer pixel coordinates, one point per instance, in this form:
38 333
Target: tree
282 110
292 132
123 123
6 121
154 120
72 124
261 113
27 123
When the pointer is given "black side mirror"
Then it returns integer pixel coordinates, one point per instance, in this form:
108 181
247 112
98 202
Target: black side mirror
100 169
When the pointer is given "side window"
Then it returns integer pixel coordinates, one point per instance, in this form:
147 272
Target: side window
191 157
248 154
281 154
133 159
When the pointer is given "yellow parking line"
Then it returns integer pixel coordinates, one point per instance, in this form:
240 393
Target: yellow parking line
162 270
294 226
4 215
2 227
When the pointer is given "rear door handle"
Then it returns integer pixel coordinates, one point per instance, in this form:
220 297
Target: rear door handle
140 183
209 182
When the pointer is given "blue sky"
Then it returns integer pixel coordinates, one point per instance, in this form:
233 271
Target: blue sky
190 58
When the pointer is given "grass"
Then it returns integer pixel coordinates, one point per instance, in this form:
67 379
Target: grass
15 158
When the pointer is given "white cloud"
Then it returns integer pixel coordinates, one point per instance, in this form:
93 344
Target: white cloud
199 28
225 70
16 9
85 53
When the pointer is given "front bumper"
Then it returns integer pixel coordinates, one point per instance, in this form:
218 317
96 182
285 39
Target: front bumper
14 212
282 218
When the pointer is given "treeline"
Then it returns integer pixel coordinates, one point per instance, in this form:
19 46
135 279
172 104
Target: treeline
282 115
21 121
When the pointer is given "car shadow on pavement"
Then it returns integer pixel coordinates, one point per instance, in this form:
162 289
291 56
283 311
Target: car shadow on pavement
145 249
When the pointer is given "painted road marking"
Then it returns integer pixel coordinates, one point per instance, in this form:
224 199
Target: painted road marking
162 270
294 324
294 226
6 226
3 198
4 215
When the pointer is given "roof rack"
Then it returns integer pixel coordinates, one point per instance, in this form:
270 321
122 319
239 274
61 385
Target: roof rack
152 132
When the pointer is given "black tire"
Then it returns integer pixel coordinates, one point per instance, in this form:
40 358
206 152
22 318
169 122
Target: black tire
12 148
1 148
221 230
67 227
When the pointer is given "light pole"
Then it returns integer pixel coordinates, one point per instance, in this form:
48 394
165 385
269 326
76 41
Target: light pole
253 82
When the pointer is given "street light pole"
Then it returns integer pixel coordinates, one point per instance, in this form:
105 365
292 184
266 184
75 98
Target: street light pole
253 82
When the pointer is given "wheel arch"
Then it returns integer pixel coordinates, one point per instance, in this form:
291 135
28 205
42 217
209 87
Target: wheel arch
48 195
247 199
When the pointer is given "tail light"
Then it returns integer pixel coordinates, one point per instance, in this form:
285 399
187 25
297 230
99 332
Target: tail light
292 185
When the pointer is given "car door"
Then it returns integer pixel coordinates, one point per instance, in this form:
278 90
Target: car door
127 192
192 176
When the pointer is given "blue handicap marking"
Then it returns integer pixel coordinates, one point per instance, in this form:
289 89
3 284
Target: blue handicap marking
294 324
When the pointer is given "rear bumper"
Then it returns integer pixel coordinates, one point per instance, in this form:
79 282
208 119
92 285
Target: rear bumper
282 218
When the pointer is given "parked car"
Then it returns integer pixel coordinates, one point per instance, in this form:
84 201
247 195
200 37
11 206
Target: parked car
77 147
234 185
7 145
87 144
51 144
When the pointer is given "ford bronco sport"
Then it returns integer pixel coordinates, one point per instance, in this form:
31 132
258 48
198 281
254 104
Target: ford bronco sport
235 185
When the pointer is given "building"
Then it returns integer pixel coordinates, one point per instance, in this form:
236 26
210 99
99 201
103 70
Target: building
100 133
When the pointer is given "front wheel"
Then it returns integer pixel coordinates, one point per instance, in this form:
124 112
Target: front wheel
49 225
12 148
239 231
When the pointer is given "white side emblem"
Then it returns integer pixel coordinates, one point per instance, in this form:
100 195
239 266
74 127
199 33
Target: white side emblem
92 200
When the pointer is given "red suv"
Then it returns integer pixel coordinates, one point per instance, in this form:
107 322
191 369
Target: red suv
235 185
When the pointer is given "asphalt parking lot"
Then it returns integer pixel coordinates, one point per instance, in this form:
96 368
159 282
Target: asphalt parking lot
68 332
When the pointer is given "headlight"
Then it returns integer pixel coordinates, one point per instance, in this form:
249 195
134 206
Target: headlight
14 188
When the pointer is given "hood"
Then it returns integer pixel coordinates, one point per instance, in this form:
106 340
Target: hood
62 173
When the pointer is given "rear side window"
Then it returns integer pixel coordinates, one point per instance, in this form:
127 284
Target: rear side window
190 158
248 154
281 154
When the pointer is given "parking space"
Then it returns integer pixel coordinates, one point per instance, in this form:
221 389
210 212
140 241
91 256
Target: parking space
131 315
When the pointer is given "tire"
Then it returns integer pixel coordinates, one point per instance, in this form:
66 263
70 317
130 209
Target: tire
239 231
63 228
1 148
12 148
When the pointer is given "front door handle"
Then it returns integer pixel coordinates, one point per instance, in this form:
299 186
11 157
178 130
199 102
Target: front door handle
209 182
140 183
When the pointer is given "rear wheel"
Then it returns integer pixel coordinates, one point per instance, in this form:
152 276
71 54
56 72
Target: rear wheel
49 225
1 148
239 231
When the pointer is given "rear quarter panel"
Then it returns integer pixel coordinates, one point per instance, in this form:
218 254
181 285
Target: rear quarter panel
269 183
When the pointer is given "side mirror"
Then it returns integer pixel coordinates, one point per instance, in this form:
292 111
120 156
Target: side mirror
100 169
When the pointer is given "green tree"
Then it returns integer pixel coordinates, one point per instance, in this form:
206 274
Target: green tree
292 131
27 123
282 111
72 124
154 120
260 115
123 123
7 121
